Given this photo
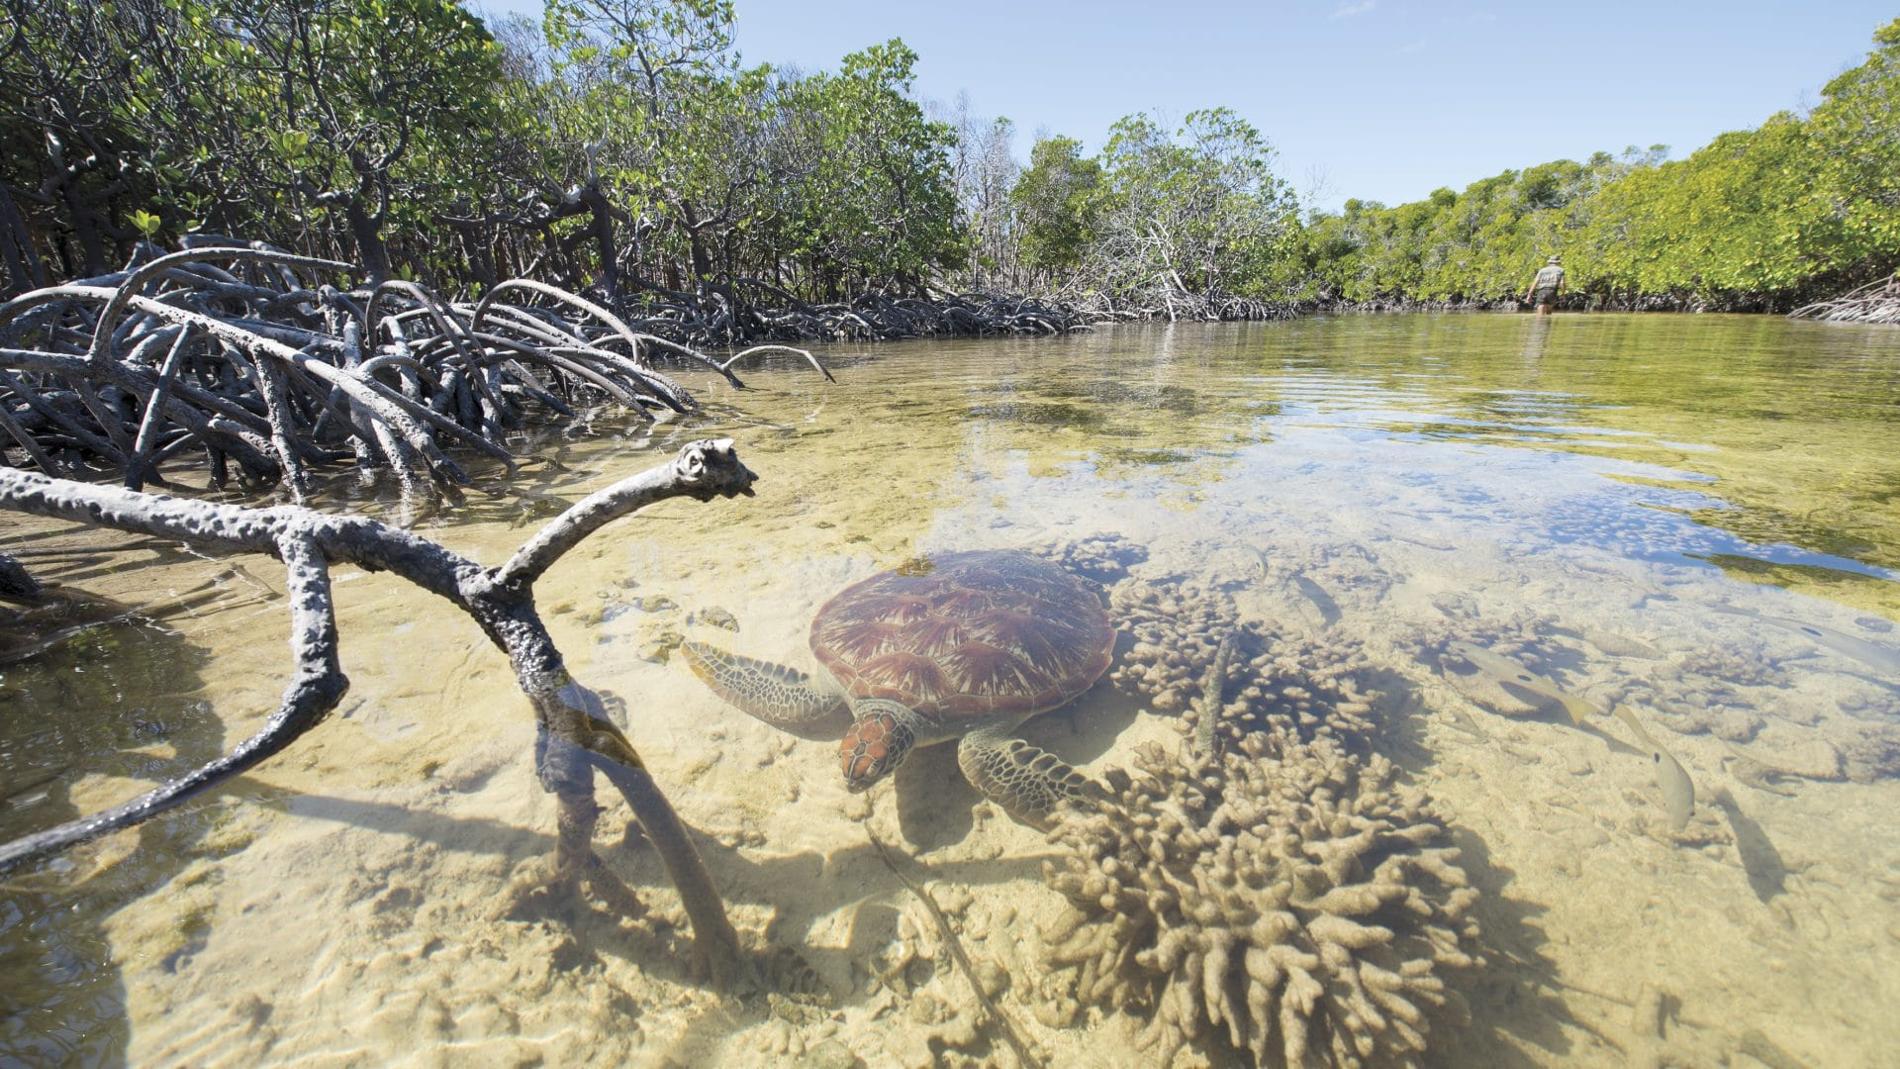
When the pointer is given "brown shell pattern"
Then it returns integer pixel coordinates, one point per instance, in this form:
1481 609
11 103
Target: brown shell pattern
976 635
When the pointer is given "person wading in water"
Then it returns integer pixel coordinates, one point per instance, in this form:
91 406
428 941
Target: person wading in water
1548 283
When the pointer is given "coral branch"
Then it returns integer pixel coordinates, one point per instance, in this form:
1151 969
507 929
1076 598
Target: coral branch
1283 900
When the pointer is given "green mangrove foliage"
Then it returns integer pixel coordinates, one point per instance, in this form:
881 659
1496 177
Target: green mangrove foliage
622 146
619 143
339 126
615 144
1196 213
1759 219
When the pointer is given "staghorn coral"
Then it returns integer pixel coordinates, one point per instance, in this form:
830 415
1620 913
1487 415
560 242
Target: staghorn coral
1265 678
1177 632
1285 900
1314 685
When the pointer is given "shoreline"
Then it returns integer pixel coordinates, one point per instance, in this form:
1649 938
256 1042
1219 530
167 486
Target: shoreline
940 320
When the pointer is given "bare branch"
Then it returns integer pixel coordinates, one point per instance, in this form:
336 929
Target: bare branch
576 737
704 469
134 283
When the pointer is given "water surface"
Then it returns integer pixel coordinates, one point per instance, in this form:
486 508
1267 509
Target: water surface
1696 516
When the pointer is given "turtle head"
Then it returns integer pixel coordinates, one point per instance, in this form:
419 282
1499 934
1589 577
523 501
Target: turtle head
881 736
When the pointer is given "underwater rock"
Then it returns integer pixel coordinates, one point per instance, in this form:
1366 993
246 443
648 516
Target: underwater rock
829 1054
1283 899
1310 685
1800 757
1725 722
942 1030
1871 751
714 616
1720 670
658 648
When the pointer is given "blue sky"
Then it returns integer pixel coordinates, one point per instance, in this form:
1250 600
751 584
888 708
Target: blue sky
1379 99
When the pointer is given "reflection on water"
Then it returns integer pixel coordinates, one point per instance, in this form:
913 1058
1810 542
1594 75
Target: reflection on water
93 690
1455 544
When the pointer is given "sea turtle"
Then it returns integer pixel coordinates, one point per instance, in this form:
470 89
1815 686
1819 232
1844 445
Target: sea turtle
961 646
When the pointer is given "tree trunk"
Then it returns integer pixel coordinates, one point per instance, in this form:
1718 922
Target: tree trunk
602 224
696 241
24 270
371 249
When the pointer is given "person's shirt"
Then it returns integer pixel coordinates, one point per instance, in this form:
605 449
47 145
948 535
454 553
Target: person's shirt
1550 276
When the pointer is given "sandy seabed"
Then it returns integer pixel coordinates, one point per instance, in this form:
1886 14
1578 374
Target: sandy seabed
368 897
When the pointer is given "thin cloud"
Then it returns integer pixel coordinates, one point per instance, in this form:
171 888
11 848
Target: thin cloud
1413 48
1354 7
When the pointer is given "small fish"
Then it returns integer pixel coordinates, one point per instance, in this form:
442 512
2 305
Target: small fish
1678 790
28 793
1509 672
1617 645
1871 654
1322 601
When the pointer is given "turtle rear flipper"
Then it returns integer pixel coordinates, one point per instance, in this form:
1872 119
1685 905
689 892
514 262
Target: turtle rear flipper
783 697
1029 782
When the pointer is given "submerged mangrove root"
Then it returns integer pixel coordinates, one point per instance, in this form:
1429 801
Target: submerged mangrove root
15 580
576 737
1025 1056
235 352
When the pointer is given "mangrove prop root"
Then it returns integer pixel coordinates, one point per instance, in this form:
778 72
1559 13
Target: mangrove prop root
749 311
15 580
239 353
1876 302
1025 1057
576 737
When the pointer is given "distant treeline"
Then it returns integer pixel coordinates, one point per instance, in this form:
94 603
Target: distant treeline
1761 219
622 146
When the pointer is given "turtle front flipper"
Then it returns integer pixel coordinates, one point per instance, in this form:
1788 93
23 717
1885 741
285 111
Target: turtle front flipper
783 697
1029 782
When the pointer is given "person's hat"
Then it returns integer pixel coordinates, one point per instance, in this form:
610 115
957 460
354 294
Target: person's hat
1556 259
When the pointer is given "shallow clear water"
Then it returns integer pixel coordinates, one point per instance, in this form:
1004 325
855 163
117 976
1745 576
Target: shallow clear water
1697 518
